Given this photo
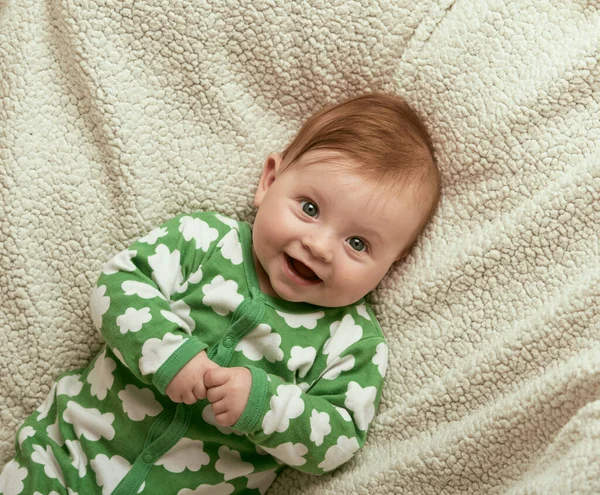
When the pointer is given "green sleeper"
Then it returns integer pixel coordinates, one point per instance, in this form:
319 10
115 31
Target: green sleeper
187 286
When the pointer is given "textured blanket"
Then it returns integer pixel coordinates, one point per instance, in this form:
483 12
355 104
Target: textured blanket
117 115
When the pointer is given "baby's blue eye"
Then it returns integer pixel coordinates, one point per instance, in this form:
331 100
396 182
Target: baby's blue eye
357 243
309 208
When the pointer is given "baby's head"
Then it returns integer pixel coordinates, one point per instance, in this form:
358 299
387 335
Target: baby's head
346 199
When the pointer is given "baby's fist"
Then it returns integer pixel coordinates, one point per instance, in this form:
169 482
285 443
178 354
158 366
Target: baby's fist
228 390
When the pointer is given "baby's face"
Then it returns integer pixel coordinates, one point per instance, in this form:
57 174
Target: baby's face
324 234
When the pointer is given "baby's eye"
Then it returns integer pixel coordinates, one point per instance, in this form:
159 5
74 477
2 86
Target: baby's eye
357 244
309 208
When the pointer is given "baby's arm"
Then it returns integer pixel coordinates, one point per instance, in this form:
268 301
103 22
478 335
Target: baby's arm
314 431
139 306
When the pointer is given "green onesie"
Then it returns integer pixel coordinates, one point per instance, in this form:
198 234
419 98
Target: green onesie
187 286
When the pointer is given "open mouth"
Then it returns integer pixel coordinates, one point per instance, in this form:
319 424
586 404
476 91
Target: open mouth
301 271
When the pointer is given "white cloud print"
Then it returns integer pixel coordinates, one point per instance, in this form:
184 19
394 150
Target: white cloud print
156 351
344 334
78 457
222 295
180 315
337 454
185 454
197 229
121 262
261 343
140 289
69 385
89 423
154 235
166 270
286 405
110 472
361 401
133 319
220 489
231 248
230 464
99 304
139 403
336 367
11 481
319 426
380 359
289 453
302 359
101 378
301 320
47 459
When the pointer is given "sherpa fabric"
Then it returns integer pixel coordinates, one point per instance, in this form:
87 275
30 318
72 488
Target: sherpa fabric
117 115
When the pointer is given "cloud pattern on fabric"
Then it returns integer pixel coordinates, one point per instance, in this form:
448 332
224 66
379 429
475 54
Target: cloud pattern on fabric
261 343
302 359
99 304
286 405
301 320
89 422
46 458
156 351
185 454
262 481
133 319
340 453
101 377
139 403
166 270
154 235
220 489
140 289
180 315
11 482
380 359
79 459
110 471
69 385
121 262
231 248
320 426
199 230
344 334
230 464
222 295
289 453
361 401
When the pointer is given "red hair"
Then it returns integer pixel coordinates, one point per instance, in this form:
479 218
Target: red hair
383 135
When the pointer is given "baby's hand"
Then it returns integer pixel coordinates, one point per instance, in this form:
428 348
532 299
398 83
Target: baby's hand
228 390
188 384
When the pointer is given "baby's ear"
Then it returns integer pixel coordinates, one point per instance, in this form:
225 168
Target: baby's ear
270 172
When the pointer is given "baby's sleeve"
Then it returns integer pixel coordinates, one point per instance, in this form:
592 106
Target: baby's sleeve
138 303
319 429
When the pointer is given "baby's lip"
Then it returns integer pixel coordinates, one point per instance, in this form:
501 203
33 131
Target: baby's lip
301 269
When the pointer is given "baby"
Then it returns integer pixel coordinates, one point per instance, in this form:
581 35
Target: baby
233 351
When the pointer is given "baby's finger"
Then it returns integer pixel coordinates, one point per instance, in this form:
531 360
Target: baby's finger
199 390
216 377
219 407
215 394
189 398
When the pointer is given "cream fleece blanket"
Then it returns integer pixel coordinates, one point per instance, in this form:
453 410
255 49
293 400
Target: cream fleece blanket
116 115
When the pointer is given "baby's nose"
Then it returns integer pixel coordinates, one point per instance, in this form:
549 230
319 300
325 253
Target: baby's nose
319 246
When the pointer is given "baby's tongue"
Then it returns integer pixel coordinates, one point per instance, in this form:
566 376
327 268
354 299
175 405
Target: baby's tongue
303 270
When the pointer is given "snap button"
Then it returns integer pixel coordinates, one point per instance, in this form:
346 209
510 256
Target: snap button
228 342
148 458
